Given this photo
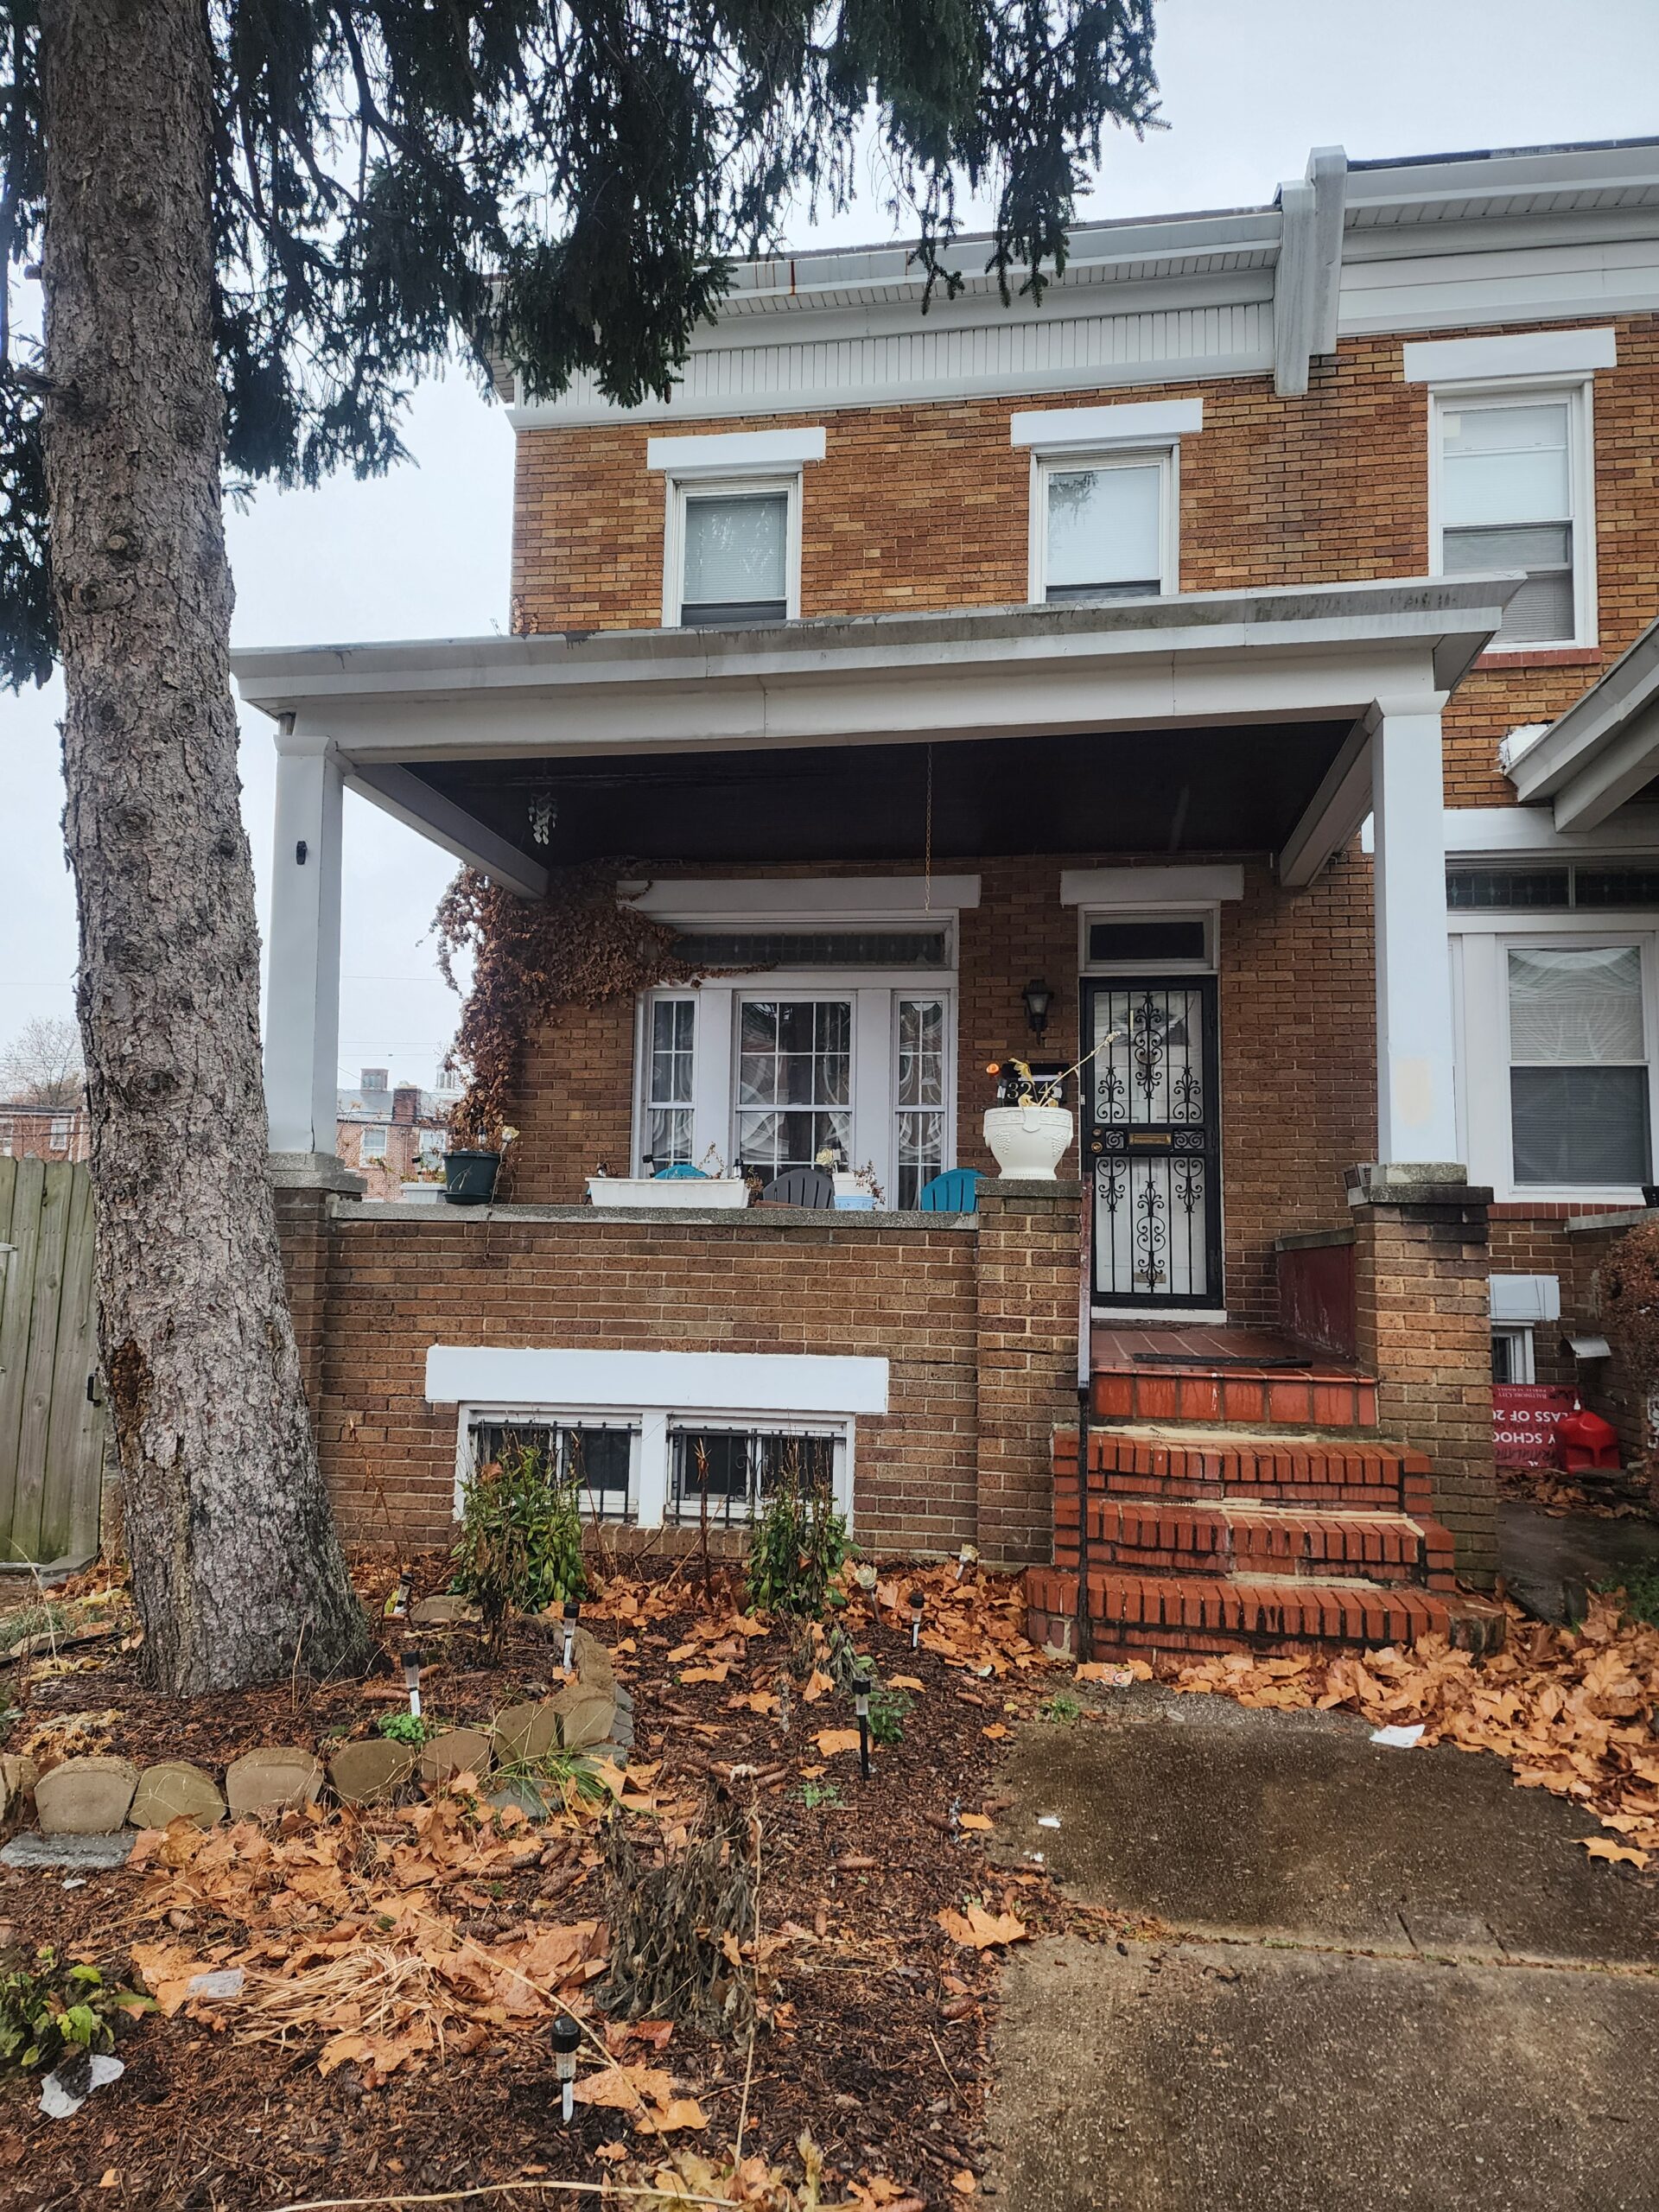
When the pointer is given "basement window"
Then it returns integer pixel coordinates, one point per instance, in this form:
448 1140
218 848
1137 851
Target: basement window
601 1457
722 1475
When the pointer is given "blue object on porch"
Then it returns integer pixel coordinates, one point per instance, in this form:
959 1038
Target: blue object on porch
955 1192
800 1186
855 1202
678 1170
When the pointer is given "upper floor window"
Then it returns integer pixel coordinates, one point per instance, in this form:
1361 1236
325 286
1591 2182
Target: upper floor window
737 555
1512 486
732 549
1102 526
372 1143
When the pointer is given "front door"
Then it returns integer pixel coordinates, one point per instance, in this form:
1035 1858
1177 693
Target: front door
1152 1137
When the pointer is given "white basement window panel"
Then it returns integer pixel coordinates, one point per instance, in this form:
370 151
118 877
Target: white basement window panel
720 1472
1512 477
600 1456
1102 526
793 1384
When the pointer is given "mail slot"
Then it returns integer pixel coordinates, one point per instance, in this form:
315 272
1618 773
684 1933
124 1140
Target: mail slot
1149 1140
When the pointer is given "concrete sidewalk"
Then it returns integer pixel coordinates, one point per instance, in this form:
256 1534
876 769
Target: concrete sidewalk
1390 1978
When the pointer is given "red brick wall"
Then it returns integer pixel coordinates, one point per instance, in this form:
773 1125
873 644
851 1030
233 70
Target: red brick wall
382 1178
1030 1257
849 1285
1297 996
1420 1284
925 505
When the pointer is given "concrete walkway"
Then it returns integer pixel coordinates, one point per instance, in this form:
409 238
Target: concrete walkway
1381 1978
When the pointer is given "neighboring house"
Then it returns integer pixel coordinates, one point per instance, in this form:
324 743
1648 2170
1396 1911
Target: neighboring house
391 1135
1249 644
44 1132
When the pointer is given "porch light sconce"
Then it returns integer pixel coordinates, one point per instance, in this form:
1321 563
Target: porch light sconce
1038 998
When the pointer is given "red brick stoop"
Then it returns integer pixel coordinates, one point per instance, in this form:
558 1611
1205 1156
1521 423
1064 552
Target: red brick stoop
1215 1540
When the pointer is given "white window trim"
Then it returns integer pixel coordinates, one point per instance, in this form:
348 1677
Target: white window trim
1518 1336
1579 394
1520 353
1480 947
736 452
875 994
1045 464
1093 429
648 1457
374 1129
750 485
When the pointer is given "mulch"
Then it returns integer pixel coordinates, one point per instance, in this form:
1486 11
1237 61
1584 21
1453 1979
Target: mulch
875 2021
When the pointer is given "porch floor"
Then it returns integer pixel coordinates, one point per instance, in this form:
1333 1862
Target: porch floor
1227 1374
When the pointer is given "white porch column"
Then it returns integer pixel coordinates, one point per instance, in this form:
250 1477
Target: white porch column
1416 1120
302 1005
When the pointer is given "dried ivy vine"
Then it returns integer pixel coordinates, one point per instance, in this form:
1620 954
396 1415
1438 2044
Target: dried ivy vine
1627 1294
579 945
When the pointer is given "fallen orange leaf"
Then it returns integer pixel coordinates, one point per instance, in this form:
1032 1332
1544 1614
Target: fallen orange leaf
831 1740
980 1929
904 1682
995 1730
1601 1846
675 2114
976 1821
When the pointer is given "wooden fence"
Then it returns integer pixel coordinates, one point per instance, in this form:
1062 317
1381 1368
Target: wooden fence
53 1427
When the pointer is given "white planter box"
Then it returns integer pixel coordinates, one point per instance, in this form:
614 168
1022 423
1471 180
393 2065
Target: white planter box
420 1194
1028 1142
687 1190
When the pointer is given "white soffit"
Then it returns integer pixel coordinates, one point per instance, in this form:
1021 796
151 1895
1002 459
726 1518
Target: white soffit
1528 353
1150 887
796 897
1071 429
679 1382
736 453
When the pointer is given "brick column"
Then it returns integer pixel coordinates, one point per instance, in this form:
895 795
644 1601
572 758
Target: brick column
1026 1359
303 1184
1421 1269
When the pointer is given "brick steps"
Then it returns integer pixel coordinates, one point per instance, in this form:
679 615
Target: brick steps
1155 1535
1203 1540
1234 1395
1210 1464
1176 1614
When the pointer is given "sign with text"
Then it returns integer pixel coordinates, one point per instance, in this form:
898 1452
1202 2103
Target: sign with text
1527 1419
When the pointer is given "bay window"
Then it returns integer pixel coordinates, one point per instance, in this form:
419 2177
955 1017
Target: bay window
794 1083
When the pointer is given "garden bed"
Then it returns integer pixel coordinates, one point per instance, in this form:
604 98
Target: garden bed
870 2012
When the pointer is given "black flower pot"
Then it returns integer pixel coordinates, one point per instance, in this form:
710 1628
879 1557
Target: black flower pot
470 1177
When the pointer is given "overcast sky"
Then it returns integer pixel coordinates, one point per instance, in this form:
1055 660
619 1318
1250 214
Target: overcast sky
1247 91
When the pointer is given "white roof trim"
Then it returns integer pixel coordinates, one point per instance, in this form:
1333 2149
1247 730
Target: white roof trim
680 1381
805 897
1150 887
1527 353
736 453
1605 748
1500 831
1071 430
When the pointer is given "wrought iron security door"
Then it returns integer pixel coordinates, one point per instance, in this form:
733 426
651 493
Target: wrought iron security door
1153 1142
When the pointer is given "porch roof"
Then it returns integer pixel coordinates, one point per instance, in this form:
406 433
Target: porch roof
1604 751
1261 698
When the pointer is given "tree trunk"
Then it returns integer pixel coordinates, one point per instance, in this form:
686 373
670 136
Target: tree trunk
236 1566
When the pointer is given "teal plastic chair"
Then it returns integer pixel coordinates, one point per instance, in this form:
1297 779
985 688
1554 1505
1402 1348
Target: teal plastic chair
679 1171
955 1192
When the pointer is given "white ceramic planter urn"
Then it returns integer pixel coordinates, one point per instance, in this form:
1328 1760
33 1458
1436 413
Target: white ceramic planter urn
1028 1142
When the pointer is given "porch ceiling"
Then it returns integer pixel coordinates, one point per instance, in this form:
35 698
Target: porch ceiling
1230 789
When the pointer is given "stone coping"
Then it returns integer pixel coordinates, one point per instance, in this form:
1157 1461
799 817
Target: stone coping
1310 1239
355 1213
1587 1224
